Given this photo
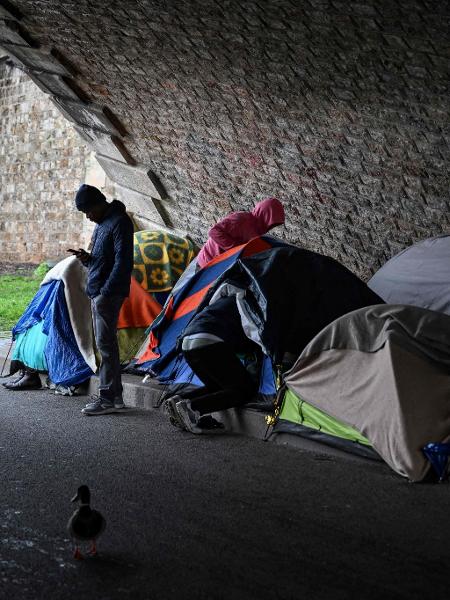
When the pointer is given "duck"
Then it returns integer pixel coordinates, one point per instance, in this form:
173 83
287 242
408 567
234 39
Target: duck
86 524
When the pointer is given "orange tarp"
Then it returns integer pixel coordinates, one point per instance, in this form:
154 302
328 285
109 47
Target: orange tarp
140 309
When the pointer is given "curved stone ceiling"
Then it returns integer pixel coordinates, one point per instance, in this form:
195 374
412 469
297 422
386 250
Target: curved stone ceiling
197 108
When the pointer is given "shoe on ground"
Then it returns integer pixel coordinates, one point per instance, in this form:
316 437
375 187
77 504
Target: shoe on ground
119 405
190 418
171 410
29 381
100 406
17 378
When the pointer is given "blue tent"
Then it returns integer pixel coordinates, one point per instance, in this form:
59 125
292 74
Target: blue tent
160 355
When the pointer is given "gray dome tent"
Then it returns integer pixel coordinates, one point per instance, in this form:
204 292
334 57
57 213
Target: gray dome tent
419 276
377 378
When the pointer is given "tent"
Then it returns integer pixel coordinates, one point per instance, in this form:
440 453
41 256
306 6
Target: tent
284 295
375 382
159 355
55 333
419 275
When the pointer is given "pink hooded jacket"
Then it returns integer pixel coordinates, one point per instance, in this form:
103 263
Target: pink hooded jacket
239 227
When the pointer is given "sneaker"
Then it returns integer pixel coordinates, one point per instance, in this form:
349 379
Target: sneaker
190 418
171 410
30 380
119 405
16 379
99 407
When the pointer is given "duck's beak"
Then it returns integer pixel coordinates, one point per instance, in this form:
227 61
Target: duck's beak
75 498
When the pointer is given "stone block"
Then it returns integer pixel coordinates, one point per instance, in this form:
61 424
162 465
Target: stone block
90 116
35 60
12 33
53 84
148 225
144 207
8 11
105 144
139 178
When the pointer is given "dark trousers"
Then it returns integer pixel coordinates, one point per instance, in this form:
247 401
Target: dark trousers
227 382
105 312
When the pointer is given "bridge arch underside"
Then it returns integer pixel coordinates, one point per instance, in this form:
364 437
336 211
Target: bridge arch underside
340 109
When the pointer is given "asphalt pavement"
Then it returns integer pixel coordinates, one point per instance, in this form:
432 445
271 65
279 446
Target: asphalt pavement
205 517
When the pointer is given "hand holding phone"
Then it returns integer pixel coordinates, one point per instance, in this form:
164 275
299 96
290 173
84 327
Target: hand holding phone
81 254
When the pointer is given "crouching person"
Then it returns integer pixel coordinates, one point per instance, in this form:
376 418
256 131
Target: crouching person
211 345
109 264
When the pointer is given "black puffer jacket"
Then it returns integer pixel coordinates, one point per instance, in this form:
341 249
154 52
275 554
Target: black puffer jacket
111 261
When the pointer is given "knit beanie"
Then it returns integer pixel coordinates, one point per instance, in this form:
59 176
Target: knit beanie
88 196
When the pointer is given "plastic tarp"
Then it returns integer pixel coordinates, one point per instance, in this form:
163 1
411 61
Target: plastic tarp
52 343
72 273
29 347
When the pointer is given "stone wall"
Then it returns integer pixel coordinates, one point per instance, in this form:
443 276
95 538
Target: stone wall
339 108
42 163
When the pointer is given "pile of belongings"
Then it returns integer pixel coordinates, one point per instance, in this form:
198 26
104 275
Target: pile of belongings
55 334
51 336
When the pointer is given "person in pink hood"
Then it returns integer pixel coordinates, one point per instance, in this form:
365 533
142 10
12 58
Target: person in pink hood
240 227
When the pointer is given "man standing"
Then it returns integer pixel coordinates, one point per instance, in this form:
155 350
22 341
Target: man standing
109 264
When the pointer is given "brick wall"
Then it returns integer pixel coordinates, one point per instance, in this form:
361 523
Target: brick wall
42 163
338 107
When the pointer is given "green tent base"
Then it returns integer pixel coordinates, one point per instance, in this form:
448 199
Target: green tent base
295 409
297 417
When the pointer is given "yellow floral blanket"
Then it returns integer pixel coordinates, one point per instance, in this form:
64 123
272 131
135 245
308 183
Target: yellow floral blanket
160 258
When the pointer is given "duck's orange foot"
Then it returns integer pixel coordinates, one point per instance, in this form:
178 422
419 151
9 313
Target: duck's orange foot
77 554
